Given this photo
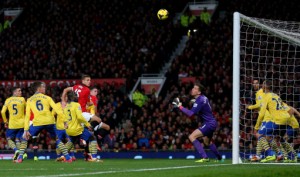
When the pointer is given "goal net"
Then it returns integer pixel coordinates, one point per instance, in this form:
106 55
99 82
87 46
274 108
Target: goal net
263 49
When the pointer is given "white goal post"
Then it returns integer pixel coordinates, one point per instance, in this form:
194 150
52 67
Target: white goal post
264 49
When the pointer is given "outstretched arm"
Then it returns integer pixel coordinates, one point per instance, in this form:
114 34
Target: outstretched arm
64 94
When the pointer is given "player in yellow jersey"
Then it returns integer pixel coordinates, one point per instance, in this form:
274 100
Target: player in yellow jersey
40 105
62 136
262 143
292 131
15 105
75 130
280 117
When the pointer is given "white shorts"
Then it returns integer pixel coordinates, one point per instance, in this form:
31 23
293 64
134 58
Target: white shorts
87 116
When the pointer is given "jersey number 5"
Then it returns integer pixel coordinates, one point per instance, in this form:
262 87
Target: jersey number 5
14 106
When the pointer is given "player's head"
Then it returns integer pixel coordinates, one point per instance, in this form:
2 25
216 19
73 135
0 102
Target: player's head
16 91
39 87
255 84
71 96
86 80
267 86
94 91
197 89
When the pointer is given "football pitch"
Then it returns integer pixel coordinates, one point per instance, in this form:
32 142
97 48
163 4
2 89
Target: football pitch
145 168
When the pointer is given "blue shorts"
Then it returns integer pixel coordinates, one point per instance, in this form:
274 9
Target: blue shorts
61 135
267 128
85 136
35 130
291 132
15 133
207 130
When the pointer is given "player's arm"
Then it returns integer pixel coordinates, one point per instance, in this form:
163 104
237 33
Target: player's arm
189 113
27 117
256 105
294 111
3 113
64 94
57 110
262 113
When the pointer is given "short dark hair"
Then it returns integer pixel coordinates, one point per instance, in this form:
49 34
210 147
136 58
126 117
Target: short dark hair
36 85
269 84
13 89
94 87
201 87
84 76
72 96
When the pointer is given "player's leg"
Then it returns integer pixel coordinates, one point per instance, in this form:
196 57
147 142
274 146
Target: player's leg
270 133
93 118
288 144
88 137
23 146
10 135
207 141
51 129
193 138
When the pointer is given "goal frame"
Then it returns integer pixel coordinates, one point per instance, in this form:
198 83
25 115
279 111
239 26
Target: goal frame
237 19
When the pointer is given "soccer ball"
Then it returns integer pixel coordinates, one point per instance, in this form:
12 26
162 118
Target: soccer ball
162 14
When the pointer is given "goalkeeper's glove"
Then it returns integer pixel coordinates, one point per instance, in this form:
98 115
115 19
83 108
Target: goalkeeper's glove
176 102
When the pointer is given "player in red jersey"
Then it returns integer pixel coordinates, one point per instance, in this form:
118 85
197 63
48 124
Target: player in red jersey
93 99
83 93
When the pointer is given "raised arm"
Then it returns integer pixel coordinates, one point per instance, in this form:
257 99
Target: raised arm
64 94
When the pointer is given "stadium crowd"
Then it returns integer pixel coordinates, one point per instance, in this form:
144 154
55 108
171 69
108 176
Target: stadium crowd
61 39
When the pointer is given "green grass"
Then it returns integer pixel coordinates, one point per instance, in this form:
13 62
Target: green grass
146 168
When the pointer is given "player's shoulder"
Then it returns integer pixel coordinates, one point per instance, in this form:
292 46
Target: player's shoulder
260 92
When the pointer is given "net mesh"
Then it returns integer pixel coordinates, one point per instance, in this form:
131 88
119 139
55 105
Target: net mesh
269 49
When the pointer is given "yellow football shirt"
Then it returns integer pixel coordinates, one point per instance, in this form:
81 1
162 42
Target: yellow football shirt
273 103
40 105
16 108
59 119
74 116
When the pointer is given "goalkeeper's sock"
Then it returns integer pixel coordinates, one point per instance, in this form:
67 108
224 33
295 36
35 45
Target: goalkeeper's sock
200 149
93 148
213 148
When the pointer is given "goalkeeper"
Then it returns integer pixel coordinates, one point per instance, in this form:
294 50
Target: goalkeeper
202 108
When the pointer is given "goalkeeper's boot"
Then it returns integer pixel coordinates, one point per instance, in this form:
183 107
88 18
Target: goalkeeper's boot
202 160
255 158
16 155
268 159
35 158
25 156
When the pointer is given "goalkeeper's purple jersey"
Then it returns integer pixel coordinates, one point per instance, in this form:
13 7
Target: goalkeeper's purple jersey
202 108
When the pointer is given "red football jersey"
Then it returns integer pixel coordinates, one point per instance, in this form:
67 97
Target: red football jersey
83 94
94 99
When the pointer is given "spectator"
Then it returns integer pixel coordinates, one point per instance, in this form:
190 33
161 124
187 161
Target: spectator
205 16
